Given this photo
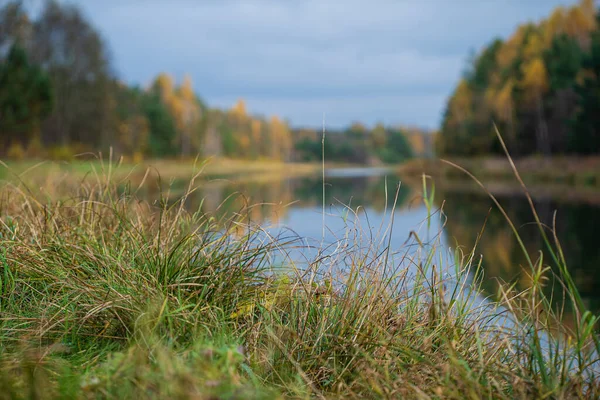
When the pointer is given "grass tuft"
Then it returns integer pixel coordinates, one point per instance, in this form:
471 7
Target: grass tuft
104 295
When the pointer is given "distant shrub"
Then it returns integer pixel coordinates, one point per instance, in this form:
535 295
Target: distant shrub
62 153
35 148
137 157
16 152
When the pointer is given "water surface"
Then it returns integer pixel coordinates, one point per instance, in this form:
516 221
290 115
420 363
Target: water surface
359 204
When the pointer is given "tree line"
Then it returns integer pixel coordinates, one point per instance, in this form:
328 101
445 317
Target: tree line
356 144
540 88
60 96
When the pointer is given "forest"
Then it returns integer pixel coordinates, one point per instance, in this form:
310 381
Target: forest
360 145
60 97
540 88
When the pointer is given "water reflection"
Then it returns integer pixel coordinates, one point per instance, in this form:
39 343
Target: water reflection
503 258
272 200
297 204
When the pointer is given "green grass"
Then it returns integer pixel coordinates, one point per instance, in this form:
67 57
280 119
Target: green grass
106 296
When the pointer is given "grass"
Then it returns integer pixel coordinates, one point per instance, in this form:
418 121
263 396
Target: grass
106 296
41 172
571 172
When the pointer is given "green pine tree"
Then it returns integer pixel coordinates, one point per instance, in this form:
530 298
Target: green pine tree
25 98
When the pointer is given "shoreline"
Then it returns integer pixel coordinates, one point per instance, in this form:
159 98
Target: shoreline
569 171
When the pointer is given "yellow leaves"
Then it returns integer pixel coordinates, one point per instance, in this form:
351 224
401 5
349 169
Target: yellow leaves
278 128
554 25
359 128
280 137
244 142
534 47
257 137
580 23
417 142
588 7
186 90
183 106
256 128
501 101
461 101
240 108
133 134
379 136
276 122
528 44
535 77
509 51
576 22
164 84
463 95
15 151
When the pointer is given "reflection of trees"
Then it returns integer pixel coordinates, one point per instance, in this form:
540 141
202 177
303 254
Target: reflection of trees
267 201
252 202
367 191
503 258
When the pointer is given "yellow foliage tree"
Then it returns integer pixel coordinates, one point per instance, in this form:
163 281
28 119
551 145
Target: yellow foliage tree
378 136
184 108
553 26
239 108
281 139
535 78
417 142
580 21
133 135
460 103
534 47
510 49
189 114
535 84
164 85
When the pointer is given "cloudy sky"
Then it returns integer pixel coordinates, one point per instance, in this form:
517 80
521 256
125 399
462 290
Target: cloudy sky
394 61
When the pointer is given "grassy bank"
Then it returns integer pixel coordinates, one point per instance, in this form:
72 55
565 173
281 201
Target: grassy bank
37 172
106 296
571 171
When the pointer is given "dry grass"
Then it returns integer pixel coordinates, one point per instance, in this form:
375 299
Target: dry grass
106 296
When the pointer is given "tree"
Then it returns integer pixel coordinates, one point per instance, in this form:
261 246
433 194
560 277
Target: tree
280 137
378 137
484 66
161 126
75 57
132 125
15 27
25 98
191 113
526 85
457 123
563 60
239 109
237 131
580 21
398 148
585 135
357 130
535 85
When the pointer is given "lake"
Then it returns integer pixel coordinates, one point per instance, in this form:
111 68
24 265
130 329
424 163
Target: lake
359 203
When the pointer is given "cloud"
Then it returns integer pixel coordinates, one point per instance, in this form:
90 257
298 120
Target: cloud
293 57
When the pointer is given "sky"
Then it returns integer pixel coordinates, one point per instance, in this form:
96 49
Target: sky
389 61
